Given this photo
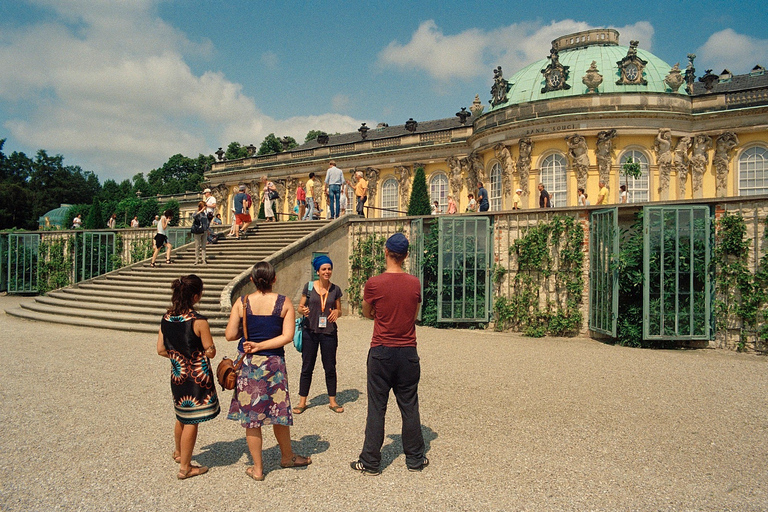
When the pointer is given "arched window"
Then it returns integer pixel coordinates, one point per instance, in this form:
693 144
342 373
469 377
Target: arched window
389 198
753 171
555 178
637 189
494 190
438 190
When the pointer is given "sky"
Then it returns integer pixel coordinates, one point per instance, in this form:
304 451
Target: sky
120 86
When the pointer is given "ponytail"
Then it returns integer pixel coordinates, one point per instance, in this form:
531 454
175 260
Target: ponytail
184 288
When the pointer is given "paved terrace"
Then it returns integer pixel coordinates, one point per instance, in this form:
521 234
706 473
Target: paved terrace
512 423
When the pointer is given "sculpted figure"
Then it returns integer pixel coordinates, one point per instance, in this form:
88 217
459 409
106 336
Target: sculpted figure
478 166
578 153
455 175
403 174
468 171
699 162
372 175
663 148
724 146
221 193
507 167
524 163
680 163
604 152
291 184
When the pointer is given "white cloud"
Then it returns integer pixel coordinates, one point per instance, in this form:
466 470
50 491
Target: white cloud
729 50
475 52
111 90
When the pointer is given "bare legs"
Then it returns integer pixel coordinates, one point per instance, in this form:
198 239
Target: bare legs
283 436
185 437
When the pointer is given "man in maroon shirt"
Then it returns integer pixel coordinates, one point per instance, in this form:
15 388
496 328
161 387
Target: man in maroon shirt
392 300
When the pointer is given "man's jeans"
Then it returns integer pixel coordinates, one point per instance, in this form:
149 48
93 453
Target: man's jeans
360 205
397 369
310 213
334 191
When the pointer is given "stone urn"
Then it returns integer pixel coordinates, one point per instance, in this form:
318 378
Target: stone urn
593 78
675 78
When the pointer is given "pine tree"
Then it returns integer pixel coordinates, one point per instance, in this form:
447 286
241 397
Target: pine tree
94 220
419 203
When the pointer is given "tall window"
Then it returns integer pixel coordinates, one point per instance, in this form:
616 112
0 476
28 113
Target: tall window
753 171
438 190
555 178
494 192
637 189
389 199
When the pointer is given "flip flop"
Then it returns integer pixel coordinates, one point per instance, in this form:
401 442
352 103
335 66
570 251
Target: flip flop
294 464
249 472
192 471
299 409
336 408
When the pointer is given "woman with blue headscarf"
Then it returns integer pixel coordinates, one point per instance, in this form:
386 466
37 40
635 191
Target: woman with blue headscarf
321 304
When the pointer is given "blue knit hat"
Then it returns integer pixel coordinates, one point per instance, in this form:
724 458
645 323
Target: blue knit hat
397 243
321 260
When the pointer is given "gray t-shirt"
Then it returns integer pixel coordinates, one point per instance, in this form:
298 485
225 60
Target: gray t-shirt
314 303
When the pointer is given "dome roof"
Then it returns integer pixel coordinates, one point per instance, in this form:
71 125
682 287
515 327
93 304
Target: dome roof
526 85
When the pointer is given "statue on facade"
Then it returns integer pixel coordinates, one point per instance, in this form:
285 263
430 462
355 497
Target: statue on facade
604 154
500 88
593 78
690 74
674 78
525 146
507 167
680 164
724 146
477 107
663 148
699 162
291 185
221 193
468 171
455 176
578 152
372 175
404 174
476 162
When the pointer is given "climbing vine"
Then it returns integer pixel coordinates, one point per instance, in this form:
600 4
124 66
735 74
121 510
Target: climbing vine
54 265
546 292
366 260
741 294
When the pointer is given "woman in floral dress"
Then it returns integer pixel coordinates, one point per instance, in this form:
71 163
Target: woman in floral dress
261 394
185 338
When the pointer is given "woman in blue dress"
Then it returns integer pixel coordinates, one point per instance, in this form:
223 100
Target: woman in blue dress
261 394
185 338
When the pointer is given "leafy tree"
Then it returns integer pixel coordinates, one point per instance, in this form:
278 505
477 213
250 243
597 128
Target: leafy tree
631 169
235 150
95 219
419 202
127 209
141 186
147 210
172 205
271 144
312 135
179 174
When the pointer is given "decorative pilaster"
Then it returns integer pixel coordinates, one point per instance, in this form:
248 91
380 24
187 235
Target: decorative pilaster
663 148
579 157
724 147
507 168
524 164
699 163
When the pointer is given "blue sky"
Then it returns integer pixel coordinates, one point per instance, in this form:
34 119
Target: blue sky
119 86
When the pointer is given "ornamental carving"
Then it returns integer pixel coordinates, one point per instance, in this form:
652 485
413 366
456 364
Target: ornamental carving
680 164
555 74
221 193
632 67
372 176
455 179
699 162
604 154
507 167
524 163
500 88
690 74
477 107
674 78
593 78
662 146
578 155
403 174
291 185
724 146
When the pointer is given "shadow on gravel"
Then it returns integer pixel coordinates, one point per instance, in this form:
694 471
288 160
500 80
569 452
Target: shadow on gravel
228 453
342 397
394 449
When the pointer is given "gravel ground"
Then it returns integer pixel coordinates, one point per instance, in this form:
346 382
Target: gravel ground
511 423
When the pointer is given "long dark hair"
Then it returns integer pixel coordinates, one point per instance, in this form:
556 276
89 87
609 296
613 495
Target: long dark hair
184 290
263 275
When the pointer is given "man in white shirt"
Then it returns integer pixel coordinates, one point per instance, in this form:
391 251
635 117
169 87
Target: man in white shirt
210 202
333 180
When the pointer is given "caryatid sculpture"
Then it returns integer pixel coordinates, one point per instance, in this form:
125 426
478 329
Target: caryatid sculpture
221 193
507 167
525 146
604 154
699 163
724 146
403 173
372 176
291 185
455 179
680 162
579 155
663 148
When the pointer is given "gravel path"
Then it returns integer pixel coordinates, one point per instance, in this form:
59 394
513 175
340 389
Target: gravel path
511 423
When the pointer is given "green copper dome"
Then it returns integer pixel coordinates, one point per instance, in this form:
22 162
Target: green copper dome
526 85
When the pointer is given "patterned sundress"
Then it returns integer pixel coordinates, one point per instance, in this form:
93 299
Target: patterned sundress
192 383
261 394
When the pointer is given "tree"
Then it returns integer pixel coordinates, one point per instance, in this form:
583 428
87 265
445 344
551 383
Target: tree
419 203
631 168
235 150
173 205
179 174
94 220
147 210
271 144
312 135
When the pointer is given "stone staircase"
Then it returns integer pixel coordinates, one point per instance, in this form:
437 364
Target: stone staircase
134 298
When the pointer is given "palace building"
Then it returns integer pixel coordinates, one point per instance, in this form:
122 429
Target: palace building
569 121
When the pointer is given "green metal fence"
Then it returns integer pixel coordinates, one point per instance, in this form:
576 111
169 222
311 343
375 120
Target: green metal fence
677 291
416 255
179 236
3 262
603 278
464 261
22 263
98 253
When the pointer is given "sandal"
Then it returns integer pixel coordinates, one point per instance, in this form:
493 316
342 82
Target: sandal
192 471
152 264
168 262
299 409
336 408
297 463
249 472
176 456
